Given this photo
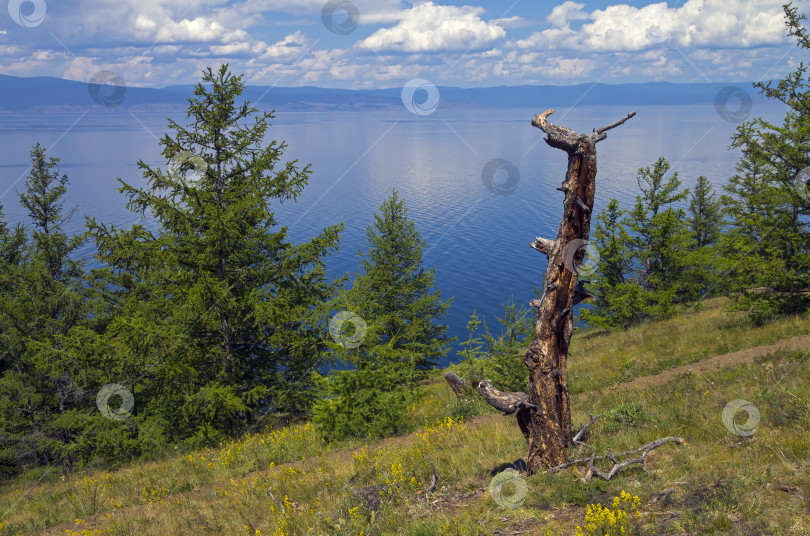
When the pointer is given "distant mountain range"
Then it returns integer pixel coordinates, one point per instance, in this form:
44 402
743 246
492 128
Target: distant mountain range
55 95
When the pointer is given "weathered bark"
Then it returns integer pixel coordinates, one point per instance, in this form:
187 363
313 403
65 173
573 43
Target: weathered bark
544 415
457 384
509 403
549 421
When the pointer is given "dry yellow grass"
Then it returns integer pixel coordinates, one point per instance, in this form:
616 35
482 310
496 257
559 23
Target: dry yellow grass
723 483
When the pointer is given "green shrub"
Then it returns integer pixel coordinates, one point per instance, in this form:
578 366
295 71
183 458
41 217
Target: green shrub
625 415
464 408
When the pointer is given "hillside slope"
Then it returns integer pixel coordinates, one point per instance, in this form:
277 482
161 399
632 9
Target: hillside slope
288 481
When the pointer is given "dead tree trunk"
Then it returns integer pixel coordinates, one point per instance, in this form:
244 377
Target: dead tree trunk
545 415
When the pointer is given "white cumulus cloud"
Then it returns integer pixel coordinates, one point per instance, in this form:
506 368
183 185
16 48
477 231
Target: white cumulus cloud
428 27
698 23
291 47
199 29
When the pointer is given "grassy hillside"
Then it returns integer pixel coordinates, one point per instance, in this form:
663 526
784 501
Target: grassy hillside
288 481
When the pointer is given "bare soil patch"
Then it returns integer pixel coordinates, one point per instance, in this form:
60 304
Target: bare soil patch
800 342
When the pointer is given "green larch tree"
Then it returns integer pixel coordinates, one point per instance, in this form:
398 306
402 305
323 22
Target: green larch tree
618 298
657 233
48 363
705 222
216 309
768 242
404 338
657 256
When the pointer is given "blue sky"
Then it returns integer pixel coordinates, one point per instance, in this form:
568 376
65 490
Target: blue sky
385 43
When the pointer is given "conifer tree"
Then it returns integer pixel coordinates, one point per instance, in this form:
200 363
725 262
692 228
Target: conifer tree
44 309
12 242
768 243
657 233
645 254
617 301
702 277
217 310
472 353
397 292
403 340
506 349
756 245
705 217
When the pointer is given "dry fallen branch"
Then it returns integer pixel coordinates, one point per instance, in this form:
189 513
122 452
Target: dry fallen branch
371 495
577 440
617 465
433 480
270 493
785 488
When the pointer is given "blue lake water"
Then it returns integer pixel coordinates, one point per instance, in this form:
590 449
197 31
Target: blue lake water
478 240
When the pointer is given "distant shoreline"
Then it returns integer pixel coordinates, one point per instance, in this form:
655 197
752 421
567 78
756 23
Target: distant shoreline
47 95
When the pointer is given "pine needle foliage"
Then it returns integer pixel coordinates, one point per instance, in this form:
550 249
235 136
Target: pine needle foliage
766 248
403 339
47 345
217 310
